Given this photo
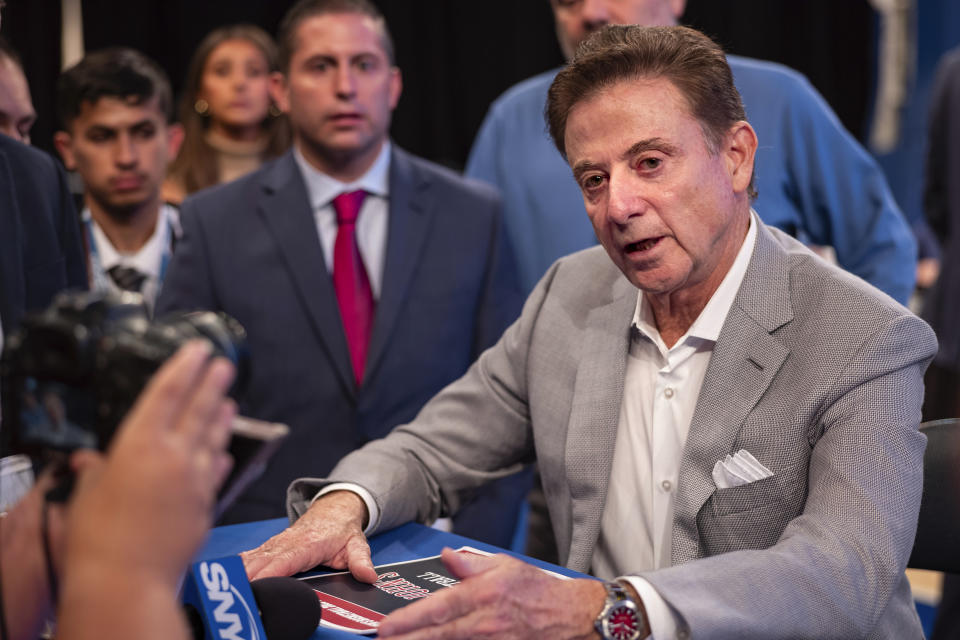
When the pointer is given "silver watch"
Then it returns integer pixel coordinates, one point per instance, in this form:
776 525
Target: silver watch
620 618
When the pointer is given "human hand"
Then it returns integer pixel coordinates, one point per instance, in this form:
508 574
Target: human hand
499 597
928 270
329 533
146 505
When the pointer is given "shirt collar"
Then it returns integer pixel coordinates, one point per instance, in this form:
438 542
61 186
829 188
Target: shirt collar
322 189
148 259
708 324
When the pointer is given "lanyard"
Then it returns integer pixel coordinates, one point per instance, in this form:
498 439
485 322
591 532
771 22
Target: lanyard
99 280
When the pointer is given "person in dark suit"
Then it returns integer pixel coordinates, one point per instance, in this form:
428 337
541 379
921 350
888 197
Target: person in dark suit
942 207
40 252
354 320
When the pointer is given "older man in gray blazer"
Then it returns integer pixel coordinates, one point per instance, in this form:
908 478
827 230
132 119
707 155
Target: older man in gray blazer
728 433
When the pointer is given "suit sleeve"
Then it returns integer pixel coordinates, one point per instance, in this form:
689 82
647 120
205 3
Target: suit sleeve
68 230
836 566
188 285
844 198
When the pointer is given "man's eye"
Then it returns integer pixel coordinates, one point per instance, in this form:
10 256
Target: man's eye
592 182
648 164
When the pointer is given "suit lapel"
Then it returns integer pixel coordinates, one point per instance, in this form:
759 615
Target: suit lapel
285 208
594 416
12 294
411 209
744 362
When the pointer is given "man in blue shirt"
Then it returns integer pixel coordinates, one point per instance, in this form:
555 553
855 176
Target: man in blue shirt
814 180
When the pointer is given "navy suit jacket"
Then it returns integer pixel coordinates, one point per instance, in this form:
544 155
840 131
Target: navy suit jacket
40 251
251 248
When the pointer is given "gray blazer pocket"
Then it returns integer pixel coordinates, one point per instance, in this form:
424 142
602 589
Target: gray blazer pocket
751 516
751 495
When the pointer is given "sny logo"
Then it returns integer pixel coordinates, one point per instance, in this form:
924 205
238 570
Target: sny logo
229 620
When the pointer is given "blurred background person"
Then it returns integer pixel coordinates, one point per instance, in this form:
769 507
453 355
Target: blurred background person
115 109
814 180
17 114
942 305
231 124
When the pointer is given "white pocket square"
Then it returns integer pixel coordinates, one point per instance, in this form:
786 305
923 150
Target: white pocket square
738 469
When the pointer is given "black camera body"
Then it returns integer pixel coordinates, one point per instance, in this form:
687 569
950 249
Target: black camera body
71 372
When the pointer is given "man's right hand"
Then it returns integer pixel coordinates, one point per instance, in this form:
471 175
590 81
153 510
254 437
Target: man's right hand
329 533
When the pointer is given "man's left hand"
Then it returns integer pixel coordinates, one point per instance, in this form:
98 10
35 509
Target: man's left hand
499 597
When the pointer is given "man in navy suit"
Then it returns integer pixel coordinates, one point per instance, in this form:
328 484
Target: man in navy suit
367 279
40 252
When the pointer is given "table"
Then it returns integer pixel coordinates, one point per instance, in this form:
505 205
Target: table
403 543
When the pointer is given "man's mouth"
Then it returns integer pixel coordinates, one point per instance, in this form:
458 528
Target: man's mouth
346 118
127 183
643 245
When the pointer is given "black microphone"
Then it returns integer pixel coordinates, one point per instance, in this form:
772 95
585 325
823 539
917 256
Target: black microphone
289 608
221 605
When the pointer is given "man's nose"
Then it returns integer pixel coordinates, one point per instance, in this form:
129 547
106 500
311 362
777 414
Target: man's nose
625 198
126 152
346 83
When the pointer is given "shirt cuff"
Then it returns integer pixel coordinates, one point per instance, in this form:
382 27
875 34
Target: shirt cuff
664 623
373 512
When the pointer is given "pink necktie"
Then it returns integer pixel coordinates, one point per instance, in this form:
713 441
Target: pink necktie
350 281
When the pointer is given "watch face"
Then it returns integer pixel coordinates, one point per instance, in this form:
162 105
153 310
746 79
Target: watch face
622 623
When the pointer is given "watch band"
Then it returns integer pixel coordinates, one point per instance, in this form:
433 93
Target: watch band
621 617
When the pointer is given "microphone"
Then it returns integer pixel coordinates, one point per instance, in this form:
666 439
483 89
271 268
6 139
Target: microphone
221 604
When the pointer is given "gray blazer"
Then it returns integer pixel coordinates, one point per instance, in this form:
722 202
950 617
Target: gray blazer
816 373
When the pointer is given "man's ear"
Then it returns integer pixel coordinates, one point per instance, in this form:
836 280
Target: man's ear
64 144
396 87
278 91
741 147
175 135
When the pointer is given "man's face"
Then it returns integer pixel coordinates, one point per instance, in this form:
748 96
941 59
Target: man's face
16 108
121 151
340 88
670 214
576 19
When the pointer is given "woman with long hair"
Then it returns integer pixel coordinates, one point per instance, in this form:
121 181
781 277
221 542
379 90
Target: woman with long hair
231 125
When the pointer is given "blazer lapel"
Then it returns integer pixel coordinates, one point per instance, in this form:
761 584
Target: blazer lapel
594 416
411 210
12 294
285 208
744 362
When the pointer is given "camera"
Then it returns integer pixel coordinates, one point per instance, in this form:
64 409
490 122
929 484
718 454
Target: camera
71 372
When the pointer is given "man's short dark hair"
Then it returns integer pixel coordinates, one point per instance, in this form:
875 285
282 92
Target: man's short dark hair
117 72
690 60
305 9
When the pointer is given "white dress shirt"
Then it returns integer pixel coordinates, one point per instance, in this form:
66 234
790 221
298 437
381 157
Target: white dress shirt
371 227
150 260
660 394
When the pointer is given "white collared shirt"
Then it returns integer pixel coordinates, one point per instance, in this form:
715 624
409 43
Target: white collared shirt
661 388
371 227
150 260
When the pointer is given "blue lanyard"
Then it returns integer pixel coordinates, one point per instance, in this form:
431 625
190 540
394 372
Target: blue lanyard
98 275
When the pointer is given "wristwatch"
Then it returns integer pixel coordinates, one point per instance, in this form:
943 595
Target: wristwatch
621 618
